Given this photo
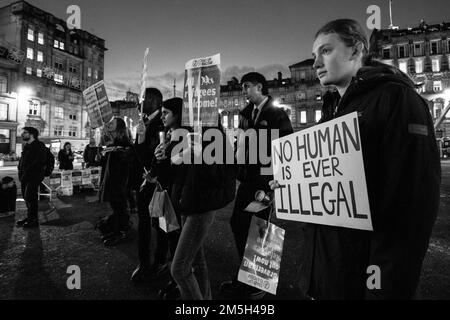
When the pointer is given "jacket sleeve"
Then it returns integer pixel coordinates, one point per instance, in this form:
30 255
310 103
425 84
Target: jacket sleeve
404 192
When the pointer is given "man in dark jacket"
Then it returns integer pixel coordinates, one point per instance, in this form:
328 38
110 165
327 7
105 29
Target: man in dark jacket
31 173
403 175
262 116
91 154
146 142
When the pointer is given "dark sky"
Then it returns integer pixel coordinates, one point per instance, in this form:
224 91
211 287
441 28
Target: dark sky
265 35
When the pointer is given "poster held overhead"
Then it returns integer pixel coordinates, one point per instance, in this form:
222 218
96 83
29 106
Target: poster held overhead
201 92
97 105
321 175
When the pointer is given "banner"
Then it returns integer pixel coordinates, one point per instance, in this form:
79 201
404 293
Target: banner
201 92
321 175
86 177
260 267
97 105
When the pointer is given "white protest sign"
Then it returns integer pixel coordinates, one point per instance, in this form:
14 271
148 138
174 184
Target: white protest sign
321 175
97 105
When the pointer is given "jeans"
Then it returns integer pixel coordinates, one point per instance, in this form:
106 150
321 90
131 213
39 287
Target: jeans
30 195
189 268
144 225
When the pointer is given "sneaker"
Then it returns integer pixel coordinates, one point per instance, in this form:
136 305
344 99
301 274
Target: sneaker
141 274
20 223
31 224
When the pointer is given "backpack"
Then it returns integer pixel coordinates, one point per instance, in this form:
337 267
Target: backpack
50 163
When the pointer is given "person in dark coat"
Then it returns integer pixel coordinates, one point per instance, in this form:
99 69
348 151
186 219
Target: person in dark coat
402 171
197 193
66 157
146 142
261 116
113 188
92 154
31 173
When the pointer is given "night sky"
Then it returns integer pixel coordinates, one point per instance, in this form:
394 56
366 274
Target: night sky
262 35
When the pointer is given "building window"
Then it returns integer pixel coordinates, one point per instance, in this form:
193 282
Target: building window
72 131
28 70
40 56
302 75
236 121
58 64
73 98
303 117
59 112
39 73
56 44
435 65
59 95
318 95
437 86
30 34
72 116
386 53
89 72
96 76
40 38
3 112
73 68
402 51
418 49
34 108
30 53
419 66
300 95
225 121
3 84
318 115
58 131
403 66
61 45
59 78
435 47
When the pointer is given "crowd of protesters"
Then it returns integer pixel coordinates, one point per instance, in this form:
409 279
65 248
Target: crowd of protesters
403 190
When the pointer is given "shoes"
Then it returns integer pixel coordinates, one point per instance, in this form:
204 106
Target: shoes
237 290
170 292
20 223
146 274
115 238
31 224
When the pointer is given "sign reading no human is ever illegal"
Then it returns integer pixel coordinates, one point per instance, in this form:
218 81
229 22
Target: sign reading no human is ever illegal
321 175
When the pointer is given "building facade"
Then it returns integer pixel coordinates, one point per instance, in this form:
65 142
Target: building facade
423 52
300 96
49 65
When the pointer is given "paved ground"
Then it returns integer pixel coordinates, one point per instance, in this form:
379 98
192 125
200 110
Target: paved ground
33 263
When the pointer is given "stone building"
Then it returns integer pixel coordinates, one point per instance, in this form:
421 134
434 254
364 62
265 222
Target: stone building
48 66
423 52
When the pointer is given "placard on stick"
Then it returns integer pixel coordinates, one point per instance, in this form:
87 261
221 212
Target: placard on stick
97 105
201 92
321 175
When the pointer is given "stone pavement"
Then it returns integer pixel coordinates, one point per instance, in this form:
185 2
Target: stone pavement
33 263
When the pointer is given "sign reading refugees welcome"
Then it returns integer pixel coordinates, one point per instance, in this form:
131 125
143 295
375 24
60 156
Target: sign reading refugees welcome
321 175
201 92
97 105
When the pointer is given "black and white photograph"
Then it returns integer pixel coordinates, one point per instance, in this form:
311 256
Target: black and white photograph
244 152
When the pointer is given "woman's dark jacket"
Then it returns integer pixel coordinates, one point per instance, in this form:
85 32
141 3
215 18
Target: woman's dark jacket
115 181
64 162
402 170
197 188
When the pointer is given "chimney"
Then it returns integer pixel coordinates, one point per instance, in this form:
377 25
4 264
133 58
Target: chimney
280 76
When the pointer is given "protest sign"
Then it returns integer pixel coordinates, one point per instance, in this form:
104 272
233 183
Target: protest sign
55 180
97 105
201 92
66 183
76 177
260 266
321 175
86 177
